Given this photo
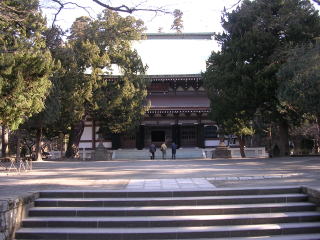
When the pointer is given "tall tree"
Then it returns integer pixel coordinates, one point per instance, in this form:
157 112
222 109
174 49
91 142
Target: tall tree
25 63
300 81
242 76
45 121
98 45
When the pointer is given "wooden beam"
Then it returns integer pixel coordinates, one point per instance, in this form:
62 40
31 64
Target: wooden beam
179 36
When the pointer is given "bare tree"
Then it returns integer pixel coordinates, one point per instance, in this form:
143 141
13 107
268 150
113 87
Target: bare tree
58 5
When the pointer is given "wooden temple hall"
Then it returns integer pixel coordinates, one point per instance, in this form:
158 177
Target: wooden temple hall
178 113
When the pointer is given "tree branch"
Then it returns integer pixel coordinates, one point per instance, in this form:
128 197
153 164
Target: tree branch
62 5
125 8
235 4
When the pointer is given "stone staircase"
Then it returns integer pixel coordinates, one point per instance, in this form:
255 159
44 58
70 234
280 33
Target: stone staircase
251 213
183 153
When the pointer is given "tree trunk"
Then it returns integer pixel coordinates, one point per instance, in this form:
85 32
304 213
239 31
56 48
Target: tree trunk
61 140
283 138
318 137
74 139
5 141
242 144
18 152
38 153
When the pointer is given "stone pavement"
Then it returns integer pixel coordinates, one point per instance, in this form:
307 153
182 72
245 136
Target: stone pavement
161 174
169 184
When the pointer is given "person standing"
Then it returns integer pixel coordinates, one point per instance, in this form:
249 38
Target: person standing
163 149
152 150
173 150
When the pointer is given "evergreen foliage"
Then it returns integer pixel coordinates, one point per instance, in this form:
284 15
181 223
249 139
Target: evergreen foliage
93 48
241 78
300 82
25 63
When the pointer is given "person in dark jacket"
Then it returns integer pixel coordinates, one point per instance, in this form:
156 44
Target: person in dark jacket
152 150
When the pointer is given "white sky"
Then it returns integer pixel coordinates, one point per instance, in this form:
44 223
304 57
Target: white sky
164 56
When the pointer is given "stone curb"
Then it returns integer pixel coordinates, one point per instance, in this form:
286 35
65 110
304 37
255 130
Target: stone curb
244 178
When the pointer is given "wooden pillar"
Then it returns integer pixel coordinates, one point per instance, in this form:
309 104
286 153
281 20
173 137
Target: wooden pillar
176 129
115 138
140 137
200 135
200 132
176 136
93 134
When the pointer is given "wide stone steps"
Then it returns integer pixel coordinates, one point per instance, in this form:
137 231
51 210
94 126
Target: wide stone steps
170 221
250 213
165 193
172 201
171 210
144 154
169 232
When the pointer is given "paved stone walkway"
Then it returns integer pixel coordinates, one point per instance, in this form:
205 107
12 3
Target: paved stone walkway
161 174
194 183
169 184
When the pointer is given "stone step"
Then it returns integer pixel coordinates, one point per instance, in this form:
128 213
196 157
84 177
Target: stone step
172 201
168 232
170 221
166 193
171 210
311 236
144 154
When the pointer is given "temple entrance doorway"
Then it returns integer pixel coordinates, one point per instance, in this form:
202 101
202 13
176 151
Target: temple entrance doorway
158 136
128 141
188 136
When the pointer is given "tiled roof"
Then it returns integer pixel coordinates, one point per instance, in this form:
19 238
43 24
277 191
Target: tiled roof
179 103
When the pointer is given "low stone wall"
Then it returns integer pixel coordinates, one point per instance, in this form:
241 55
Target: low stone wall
254 152
12 211
84 154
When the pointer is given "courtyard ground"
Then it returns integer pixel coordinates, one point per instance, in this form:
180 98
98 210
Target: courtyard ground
161 174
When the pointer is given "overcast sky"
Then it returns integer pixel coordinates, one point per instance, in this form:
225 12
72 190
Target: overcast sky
162 56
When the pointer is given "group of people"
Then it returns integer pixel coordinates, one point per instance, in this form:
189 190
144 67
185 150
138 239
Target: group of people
163 149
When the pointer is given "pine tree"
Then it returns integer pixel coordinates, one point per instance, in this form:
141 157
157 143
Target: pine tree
177 22
25 63
97 45
300 82
241 78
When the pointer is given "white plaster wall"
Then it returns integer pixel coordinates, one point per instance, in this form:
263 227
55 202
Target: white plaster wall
107 144
187 121
85 145
97 135
87 133
211 143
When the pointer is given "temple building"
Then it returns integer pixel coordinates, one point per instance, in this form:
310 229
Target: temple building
178 112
